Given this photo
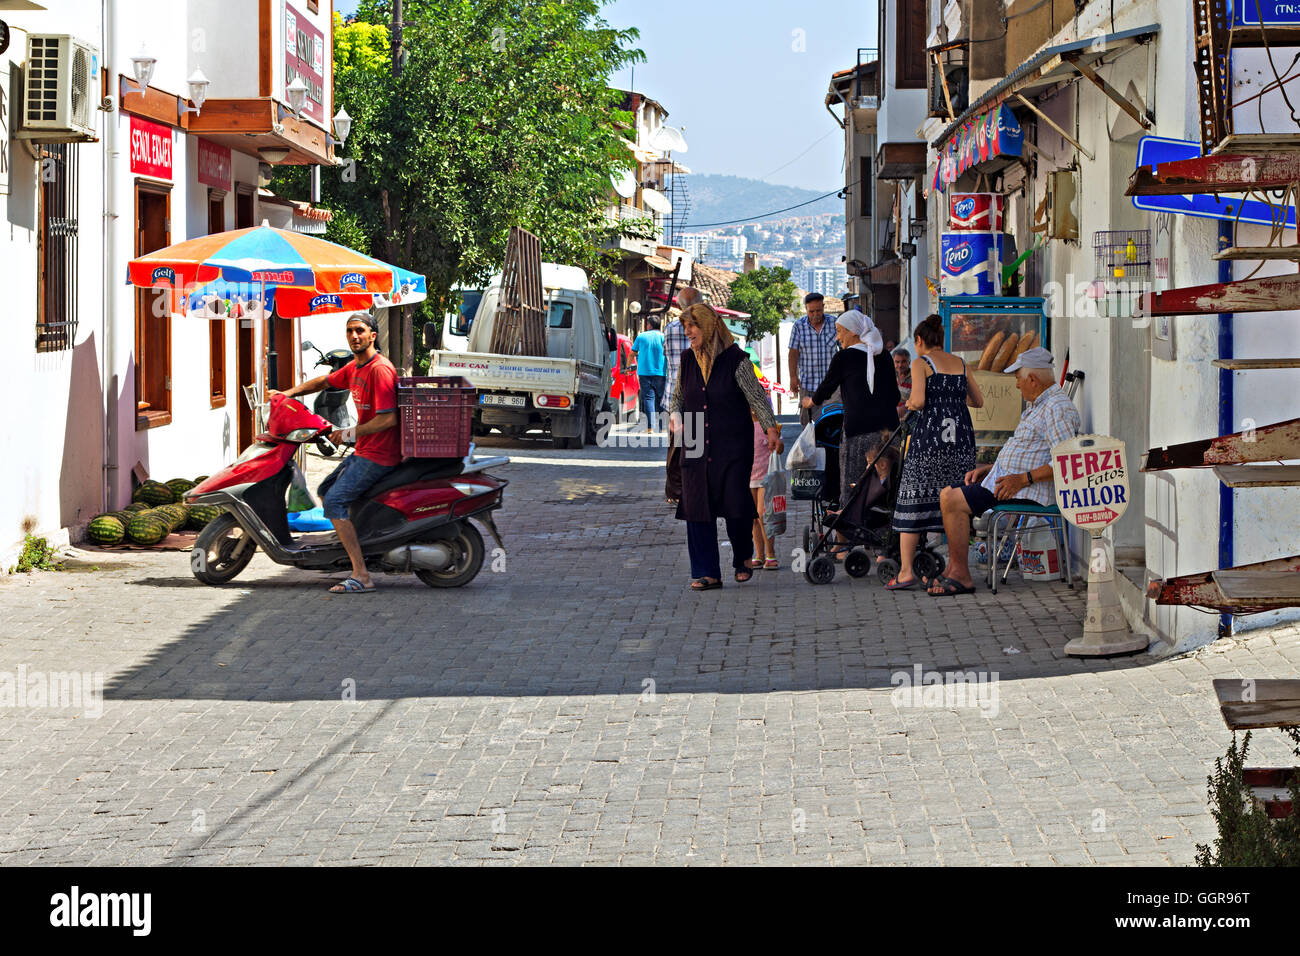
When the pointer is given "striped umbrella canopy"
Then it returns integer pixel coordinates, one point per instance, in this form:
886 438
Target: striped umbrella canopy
266 256
226 299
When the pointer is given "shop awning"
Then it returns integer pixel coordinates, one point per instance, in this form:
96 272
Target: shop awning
1055 64
983 137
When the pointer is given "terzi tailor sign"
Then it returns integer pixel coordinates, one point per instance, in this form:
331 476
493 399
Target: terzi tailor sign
1091 473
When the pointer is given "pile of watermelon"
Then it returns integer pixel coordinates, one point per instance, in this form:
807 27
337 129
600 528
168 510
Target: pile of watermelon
155 511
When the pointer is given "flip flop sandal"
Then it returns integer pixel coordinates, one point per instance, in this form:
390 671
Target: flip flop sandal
352 586
950 588
703 584
894 585
771 564
753 564
743 576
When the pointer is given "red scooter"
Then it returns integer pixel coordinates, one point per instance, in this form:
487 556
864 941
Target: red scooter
416 519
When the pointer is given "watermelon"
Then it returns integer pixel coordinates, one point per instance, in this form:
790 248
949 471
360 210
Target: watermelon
123 516
201 515
105 529
175 515
154 493
136 506
200 480
179 486
147 527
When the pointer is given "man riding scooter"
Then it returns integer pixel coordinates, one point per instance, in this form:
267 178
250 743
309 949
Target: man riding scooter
372 379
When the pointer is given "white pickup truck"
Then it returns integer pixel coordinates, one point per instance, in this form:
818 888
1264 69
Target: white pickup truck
561 392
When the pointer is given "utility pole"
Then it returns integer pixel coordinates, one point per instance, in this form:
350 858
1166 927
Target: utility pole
401 337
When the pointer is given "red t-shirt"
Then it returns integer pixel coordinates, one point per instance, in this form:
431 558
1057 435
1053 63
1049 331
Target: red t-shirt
374 391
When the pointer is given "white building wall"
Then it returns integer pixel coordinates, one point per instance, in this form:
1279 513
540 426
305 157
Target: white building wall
51 438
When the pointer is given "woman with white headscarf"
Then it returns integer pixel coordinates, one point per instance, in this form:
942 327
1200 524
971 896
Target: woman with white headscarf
864 373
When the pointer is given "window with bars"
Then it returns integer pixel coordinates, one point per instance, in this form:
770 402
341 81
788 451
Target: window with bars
56 320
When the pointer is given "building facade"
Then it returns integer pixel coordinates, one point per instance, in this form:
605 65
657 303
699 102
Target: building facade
1091 91
119 388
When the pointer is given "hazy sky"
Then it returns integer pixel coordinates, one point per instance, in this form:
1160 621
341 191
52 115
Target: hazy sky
746 79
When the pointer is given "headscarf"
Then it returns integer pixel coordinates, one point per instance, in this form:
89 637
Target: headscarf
714 335
871 341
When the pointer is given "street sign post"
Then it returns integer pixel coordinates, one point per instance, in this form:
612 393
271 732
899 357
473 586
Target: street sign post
1092 491
1154 150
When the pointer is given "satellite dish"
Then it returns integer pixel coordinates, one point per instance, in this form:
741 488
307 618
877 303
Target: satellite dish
668 139
657 201
624 183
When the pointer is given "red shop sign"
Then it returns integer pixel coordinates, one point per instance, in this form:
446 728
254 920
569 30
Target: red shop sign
151 148
214 165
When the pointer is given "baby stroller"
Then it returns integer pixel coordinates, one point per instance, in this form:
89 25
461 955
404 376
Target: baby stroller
864 523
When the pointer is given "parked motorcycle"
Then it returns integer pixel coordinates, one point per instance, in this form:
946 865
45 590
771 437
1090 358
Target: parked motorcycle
332 403
416 520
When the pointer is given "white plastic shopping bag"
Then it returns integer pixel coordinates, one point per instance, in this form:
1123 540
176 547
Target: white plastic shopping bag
776 490
804 450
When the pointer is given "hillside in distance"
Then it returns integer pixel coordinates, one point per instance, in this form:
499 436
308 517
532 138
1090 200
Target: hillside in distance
724 198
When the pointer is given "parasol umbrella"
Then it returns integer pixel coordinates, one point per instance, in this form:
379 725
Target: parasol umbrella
262 254
232 273
231 299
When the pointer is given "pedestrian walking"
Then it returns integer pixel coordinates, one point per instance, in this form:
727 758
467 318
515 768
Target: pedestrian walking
942 446
675 341
763 545
812 343
716 392
651 371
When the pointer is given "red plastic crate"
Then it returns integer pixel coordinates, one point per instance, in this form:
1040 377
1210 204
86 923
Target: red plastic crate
437 416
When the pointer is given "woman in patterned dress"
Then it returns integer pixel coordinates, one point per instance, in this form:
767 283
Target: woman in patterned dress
942 446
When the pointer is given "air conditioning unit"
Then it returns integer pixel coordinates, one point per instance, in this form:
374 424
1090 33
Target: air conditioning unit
60 89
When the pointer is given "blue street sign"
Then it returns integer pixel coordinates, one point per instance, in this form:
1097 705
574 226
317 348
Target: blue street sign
1154 150
1275 12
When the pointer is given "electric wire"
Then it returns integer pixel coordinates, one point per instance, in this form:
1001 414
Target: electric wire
767 215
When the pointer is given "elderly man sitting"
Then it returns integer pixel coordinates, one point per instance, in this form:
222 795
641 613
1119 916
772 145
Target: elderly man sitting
1022 473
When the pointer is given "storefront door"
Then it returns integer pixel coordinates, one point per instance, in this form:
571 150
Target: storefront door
152 312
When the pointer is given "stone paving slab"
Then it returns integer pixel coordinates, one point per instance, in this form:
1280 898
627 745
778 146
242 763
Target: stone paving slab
582 706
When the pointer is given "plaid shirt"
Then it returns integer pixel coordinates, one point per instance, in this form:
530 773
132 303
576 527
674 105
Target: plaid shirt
815 351
674 345
1048 420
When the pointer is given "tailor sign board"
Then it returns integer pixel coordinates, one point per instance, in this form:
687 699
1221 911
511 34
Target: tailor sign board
1091 474
1154 150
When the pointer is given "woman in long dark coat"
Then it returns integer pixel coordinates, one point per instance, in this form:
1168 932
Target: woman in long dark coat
716 390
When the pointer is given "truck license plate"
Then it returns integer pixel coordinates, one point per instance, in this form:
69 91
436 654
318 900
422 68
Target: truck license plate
516 401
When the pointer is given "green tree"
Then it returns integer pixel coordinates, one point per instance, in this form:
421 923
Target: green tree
499 115
768 295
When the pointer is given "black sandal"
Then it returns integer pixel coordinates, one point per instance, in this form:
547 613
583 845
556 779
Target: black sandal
705 584
744 575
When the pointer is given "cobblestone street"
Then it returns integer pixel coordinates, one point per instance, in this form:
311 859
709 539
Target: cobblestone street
581 705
